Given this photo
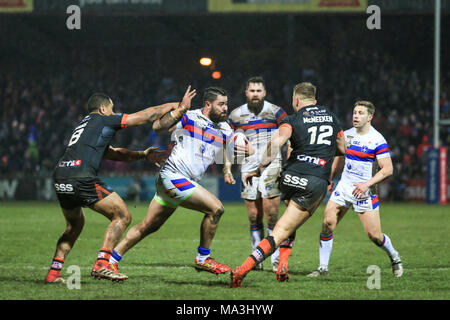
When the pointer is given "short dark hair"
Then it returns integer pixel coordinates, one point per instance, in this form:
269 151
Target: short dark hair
210 94
257 79
306 90
369 105
96 100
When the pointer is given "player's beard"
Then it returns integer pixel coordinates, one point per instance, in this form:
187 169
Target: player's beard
255 106
218 117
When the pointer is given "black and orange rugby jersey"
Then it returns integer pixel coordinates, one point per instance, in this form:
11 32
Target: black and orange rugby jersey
314 132
88 143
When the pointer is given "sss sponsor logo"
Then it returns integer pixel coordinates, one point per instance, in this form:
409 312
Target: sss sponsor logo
294 180
63 187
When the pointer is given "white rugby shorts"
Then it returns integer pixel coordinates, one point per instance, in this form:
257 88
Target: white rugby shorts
343 196
265 186
173 188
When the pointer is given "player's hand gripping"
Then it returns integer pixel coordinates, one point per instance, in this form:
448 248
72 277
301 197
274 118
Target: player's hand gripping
360 189
248 178
228 178
330 186
185 103
155 156
246 150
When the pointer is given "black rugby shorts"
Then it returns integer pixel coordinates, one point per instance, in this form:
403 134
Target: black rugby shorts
305 190
80 192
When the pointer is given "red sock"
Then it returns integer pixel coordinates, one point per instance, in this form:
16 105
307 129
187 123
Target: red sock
264 249
286 248
104 255
57 264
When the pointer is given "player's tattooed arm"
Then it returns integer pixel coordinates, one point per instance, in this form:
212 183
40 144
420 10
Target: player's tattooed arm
122 154
168 121
150 114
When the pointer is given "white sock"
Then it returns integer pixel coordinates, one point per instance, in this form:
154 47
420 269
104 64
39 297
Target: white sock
387 246
115 257
203 254
256 235
326 245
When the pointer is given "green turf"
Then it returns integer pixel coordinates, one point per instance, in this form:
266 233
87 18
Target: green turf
160 267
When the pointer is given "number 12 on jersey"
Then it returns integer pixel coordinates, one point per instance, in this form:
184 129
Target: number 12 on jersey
325 131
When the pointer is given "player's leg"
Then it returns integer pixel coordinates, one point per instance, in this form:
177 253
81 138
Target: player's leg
268 187
305 193
74 225
255 212
270 208
157 215
204 201
291 220
255 217
333 213
114 209
372 226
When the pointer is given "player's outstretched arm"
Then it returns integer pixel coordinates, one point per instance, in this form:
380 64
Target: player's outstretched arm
151 154
171 118
280 137
150 114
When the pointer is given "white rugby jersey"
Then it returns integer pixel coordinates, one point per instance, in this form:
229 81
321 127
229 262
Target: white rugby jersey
362 151
258 128
198 143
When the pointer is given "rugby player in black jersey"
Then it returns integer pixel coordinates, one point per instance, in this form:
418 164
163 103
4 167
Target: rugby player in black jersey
77 184
316 137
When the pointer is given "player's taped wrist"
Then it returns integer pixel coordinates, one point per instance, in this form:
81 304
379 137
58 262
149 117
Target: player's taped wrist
226 170
178 113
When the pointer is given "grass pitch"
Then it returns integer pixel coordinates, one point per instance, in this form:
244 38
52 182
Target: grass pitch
161 266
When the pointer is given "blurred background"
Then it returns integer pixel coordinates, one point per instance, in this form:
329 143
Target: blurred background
145 52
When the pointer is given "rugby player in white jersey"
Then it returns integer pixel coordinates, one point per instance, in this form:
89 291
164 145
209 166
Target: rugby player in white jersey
200 138
366 149
258 120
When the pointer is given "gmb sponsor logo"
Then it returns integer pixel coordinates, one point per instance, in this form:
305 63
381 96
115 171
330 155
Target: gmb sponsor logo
313 160
294 180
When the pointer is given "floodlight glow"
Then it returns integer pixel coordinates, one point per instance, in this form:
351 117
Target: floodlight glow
205 61
216 75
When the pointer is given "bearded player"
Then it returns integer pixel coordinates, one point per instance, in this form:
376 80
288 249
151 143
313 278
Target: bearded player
316 137
258 119
366 150
200 137
77 184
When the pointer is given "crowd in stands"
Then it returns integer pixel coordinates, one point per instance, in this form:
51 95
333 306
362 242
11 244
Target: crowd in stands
40 105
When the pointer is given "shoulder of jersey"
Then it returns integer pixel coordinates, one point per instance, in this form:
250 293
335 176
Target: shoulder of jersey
225 126
238 110
349 131
271 105
376 134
